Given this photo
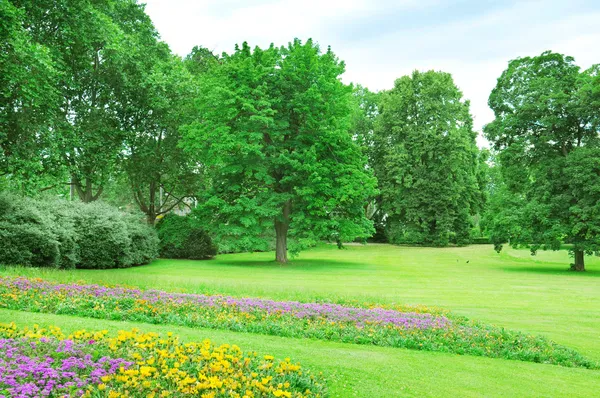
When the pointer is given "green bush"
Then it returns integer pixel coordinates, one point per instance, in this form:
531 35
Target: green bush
27 236
180 237
481 240
61 234
144 242
28 245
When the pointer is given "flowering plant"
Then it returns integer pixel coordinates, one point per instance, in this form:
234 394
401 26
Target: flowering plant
44 362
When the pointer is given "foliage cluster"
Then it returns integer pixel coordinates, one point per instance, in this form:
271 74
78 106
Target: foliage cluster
547 143
135 364
181 237
375 325
426 161
272 131
61 234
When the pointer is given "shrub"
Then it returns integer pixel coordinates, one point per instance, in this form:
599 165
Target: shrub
144 241
102 236
180 237
27 236
61 234
481 240
28 245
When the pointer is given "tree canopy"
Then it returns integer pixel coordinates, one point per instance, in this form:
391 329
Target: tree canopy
426 161
546 133
272 129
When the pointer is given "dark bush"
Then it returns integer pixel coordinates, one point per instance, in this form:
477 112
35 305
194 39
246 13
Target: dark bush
481 240
180 237
61 234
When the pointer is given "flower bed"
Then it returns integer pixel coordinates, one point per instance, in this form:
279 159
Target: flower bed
45 362
420 329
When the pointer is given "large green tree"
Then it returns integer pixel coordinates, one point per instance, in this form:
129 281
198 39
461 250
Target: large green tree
426 160
96 47
273 131
28 100
546 132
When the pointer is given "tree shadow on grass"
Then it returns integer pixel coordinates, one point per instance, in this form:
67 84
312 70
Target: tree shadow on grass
553 271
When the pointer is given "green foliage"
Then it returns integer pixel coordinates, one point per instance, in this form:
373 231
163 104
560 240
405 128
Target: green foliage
481 240
273 133
426 161
200 60
181 237
155 163
60 234
108 238
28 100
32 237
97 53
365 109
546 134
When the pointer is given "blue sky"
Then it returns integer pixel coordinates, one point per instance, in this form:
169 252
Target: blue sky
381 40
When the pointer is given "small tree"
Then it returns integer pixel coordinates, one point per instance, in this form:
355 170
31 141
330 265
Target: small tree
272 129
546 132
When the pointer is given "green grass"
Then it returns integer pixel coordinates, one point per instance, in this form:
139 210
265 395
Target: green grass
510 289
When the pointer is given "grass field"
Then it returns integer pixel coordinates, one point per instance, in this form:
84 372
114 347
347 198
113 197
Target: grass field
511 289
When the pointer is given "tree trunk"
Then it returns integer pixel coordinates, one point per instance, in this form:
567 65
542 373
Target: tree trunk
86 195
579 261
281 229
151 218
151 213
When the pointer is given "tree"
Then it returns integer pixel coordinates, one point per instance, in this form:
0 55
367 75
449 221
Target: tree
28 99
160 176
273 132
200 60
364 113
426 161
546 132
96 47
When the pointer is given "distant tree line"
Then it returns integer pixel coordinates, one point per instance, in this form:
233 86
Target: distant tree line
268 145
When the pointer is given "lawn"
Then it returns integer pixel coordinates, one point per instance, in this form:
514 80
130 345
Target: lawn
511 289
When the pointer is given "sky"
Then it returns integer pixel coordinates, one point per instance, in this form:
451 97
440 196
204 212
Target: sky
382 40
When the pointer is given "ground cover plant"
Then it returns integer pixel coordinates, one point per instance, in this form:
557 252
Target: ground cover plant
46 362
395 327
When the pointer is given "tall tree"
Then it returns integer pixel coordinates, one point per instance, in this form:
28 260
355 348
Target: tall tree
200 60
546 130
95 47
28 100
426 160
273 131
